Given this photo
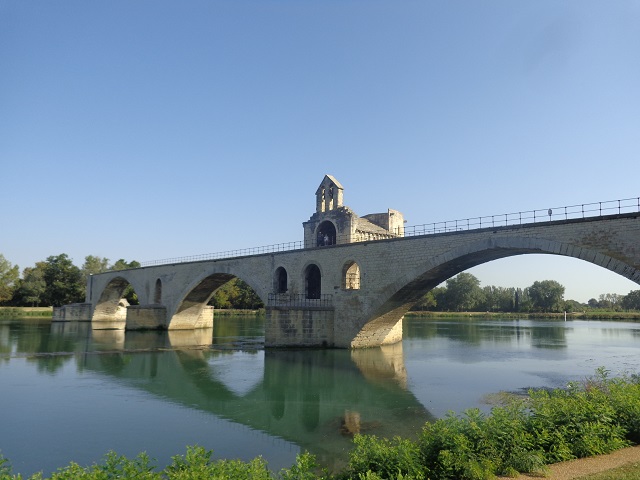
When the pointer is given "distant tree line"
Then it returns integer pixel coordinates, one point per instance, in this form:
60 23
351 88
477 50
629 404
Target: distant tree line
57 281
464 293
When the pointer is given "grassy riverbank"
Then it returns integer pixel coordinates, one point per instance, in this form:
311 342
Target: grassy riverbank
230 312
25 312
22 312
598 416
595 315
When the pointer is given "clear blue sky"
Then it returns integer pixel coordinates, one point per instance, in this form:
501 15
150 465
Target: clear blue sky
150 129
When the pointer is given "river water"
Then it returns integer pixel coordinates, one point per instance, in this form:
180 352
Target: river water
72 394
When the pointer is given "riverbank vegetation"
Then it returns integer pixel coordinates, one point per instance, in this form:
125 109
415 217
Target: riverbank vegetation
55 281
463 293
594 417
21 312
586 315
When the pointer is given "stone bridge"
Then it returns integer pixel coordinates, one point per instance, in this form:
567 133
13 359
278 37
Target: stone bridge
354 281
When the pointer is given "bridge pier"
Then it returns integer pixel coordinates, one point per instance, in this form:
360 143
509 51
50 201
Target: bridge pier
146 317
299 327
75 312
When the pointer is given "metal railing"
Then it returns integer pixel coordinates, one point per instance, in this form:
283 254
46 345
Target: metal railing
299 300
244 252
584 210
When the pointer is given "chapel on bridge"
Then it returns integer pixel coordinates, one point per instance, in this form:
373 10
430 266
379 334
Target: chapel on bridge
334 223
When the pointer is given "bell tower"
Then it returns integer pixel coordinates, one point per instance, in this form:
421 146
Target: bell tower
329 195
333 223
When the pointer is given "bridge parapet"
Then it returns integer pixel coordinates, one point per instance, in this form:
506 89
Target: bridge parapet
523 218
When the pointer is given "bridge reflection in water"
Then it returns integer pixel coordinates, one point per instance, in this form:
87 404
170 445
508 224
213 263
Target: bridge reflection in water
316 399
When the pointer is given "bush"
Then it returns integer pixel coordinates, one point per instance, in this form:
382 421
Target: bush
624 394
305 468
374 457
475 446
5 468
115 466
197 464
581 421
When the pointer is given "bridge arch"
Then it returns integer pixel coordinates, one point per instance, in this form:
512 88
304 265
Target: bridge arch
194 298
408 289
110 311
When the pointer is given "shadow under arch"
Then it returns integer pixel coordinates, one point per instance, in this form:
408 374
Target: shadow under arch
110 311
429 274
196 297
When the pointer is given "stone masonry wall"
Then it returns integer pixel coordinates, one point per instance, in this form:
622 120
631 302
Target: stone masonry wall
299 327
393 274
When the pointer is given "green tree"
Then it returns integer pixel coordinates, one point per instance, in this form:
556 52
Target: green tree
546 296
573 306
610 301
247 297
32 286
498 299
63 280
9 276
93 265
463 293
122 264
631 301
427 302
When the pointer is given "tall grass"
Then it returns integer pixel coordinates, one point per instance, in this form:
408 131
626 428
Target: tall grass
20 312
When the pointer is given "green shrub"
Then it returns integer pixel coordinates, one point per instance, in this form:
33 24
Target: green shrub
580 421
395 458
5 468
451 445
305 468
197 464
513 446
625 398
114 466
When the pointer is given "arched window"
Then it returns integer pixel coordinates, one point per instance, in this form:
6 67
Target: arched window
326 234
281 282
351 276
312 282
157 295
